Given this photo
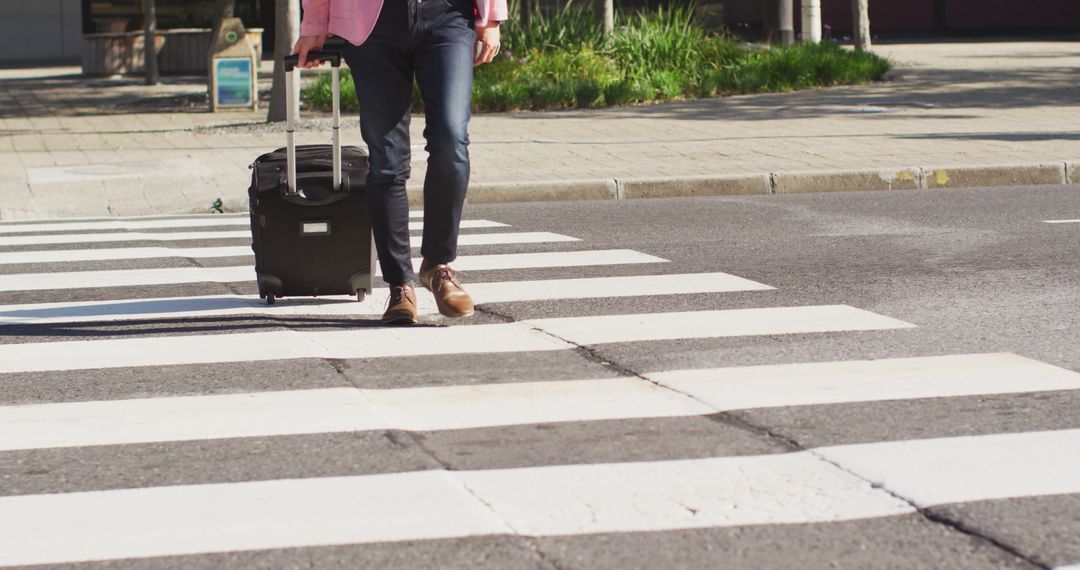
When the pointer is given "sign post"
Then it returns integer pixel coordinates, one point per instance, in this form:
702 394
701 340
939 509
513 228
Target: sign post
233 74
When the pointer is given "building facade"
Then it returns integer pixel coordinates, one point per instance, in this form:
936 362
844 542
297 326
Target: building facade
52 31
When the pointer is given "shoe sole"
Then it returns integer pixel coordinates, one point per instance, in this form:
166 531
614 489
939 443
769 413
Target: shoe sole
400 321
461 316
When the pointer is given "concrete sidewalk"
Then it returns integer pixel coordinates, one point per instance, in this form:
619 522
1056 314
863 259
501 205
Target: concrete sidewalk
952 114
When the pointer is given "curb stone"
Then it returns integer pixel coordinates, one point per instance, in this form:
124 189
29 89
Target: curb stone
532 191
847 181
738 185
884 179
975 176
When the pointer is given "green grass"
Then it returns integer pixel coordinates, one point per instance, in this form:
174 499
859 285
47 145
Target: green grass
564 61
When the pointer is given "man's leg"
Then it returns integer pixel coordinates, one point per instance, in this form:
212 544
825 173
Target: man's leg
382 72
444 74
443 61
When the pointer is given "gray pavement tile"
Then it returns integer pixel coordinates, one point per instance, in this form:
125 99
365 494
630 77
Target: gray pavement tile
870 422
469 369
166 381
69 470
608 441
1052 542
908 541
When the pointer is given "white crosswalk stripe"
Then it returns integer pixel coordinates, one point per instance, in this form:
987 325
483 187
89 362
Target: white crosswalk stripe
126 225
169 223
526 336
495 292
106 254
578 496
674 393
121 237
137 277
822 485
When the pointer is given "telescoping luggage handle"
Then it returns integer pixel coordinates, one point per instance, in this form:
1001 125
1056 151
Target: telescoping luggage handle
292 113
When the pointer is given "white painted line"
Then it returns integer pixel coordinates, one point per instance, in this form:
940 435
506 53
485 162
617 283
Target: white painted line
588 258
506 238
564 500
106 254
127 225
217 221
66 220
335 410
1062 222
962 469
550 501
487 405
137 277
808 384
598 287
713 324
1071 567
187 418
416 341
248 516
789 488
119 237
371 342
124 278
113 254
493 292
412 214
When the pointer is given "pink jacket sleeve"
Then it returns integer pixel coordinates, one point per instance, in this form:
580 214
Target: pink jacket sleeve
316 19
491 10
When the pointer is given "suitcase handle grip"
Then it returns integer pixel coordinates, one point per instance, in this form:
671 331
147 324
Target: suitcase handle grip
300 199
291 61
292 112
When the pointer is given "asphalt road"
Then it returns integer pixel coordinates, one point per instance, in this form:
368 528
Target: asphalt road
975 477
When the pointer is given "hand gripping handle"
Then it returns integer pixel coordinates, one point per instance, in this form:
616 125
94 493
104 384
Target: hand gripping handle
292 111
293 60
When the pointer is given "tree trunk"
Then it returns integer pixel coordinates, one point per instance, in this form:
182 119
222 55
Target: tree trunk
811 21
286 31
860 11
609 17
786 16
150 66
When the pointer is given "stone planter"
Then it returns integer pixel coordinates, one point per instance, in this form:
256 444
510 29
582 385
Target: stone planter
181 51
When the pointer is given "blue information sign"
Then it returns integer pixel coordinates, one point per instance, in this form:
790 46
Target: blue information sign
233 82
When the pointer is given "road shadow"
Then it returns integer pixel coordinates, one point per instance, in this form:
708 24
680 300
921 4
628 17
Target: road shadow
101 330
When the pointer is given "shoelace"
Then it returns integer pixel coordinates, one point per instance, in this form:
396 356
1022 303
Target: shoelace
396 295
447 274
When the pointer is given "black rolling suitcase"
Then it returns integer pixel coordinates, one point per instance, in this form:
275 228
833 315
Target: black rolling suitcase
309 226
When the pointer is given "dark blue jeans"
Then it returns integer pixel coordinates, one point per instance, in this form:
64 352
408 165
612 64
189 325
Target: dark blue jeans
431 40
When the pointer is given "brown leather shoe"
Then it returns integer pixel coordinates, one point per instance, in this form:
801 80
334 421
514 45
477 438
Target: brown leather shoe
402 306
450 297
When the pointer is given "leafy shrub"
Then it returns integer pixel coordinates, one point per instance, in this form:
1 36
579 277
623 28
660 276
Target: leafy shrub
564 61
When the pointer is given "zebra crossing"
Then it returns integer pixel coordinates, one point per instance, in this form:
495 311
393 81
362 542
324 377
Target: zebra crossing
577 497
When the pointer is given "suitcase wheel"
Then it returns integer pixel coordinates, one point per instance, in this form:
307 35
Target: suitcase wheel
361 295
270 299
